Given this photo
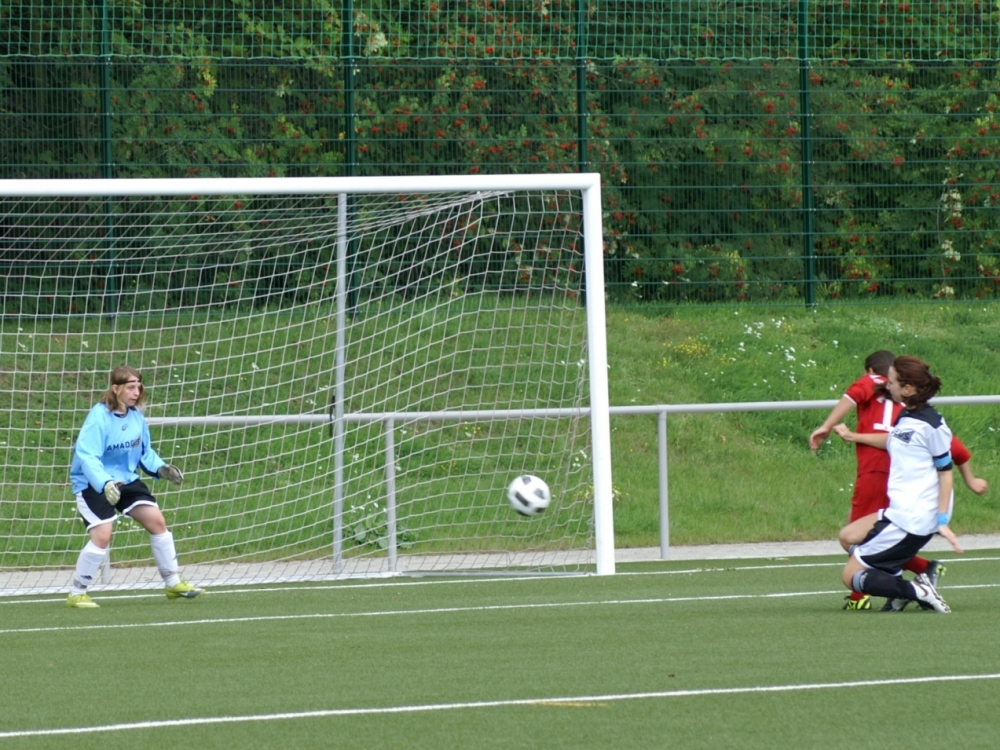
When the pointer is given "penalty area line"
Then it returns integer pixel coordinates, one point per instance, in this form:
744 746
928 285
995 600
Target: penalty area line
554 702
420 611
625 570
441 610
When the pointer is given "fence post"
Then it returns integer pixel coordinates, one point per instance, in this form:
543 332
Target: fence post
805 136
110 301
581 86
347 56
661 446
107 150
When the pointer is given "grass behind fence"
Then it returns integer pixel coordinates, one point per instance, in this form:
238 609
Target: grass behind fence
751 476
733 477
451 475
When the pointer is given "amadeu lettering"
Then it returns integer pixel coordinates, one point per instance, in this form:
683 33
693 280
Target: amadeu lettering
125 446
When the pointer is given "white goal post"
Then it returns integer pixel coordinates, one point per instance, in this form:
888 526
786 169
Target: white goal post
349 371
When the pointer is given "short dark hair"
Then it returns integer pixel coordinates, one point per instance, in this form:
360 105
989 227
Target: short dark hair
879 362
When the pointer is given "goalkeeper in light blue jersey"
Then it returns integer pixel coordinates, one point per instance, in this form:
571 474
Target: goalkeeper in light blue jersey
110 448
113 444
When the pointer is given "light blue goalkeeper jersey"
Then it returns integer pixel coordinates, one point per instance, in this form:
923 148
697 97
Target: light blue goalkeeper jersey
112 447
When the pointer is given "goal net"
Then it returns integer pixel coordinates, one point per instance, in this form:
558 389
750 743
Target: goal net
349 372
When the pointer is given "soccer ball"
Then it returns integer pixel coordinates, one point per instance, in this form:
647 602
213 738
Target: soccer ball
528 495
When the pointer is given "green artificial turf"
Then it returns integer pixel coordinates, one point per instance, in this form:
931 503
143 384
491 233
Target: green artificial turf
560 662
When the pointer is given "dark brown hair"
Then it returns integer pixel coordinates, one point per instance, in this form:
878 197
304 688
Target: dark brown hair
120 376
879 362
916 372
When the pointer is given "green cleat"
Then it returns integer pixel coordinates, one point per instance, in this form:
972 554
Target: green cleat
865 602
934 571
81 601
183 590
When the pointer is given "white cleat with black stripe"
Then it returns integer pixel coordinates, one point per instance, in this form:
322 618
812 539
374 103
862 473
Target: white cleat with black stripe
927 594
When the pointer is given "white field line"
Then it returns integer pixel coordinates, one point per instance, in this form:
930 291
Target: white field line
555 702
440 610
397 612
345 586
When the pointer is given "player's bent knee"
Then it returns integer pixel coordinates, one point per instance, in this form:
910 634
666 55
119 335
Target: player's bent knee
155 529
101 535
150 517
856 531
848 537
842 538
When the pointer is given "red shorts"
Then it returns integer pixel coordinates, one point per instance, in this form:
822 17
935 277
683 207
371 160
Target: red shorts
870 494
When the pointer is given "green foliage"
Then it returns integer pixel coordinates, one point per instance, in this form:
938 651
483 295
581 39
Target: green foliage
701 120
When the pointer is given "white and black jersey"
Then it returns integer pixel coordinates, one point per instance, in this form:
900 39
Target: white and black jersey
919 448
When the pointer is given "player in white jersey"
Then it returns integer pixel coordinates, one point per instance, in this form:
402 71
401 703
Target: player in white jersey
113 444
920 494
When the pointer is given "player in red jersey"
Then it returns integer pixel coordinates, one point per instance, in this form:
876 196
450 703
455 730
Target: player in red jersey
876 412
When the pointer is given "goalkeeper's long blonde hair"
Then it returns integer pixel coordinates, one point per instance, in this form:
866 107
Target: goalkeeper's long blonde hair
120 376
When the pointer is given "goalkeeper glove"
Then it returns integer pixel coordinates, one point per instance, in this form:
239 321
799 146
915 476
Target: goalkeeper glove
171 473
112 492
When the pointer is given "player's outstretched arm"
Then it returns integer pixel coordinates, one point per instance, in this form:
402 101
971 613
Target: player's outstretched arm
821 433
948 534
974 483
874 439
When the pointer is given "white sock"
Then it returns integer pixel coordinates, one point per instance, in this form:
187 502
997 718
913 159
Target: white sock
165 555
87 565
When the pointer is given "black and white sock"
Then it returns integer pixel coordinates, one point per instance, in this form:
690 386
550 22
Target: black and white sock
879 583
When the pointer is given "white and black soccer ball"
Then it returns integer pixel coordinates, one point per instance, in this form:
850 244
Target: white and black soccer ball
528 495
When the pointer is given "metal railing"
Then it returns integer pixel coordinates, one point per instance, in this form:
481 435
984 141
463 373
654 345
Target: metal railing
662 410
390 420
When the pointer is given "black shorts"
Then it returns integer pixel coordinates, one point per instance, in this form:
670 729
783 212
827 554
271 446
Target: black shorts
95 509
888 548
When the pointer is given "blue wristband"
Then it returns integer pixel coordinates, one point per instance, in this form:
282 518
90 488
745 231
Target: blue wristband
942 519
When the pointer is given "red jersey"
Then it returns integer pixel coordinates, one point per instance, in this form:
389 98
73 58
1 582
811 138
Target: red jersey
876 413
959 453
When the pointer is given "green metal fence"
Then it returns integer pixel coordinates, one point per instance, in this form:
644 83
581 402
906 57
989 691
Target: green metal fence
764 151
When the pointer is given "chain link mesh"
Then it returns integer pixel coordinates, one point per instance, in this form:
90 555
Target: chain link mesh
747 148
